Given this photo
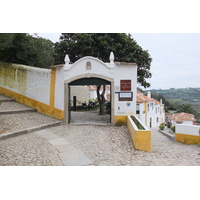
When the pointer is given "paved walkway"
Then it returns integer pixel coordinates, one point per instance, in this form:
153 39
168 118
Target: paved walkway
92 117
86 145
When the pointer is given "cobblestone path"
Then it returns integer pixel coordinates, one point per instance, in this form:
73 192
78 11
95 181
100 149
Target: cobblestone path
104 145
27 150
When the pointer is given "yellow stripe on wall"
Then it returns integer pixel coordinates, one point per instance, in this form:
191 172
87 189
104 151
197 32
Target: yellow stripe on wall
41 107
52 87
187 139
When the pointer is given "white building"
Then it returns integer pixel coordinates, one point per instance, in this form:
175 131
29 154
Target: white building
93 92
149 111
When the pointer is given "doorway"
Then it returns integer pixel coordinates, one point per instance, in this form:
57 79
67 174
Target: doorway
86 111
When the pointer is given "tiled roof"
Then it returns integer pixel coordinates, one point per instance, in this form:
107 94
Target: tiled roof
179 117
142 98
156 102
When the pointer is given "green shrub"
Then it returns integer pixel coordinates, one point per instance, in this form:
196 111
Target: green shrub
162 126
173 129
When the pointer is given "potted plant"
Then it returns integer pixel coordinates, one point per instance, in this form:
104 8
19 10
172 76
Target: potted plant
162 126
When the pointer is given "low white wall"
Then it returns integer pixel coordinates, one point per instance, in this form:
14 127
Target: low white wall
29 81
187 129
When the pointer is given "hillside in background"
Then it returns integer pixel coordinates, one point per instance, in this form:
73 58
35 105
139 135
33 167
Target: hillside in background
182 96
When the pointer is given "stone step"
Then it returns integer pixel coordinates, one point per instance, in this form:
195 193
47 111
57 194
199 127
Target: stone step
5 99
170 135
28 130
24 121
10 107
17 119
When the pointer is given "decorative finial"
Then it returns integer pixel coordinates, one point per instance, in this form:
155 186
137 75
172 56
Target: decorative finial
67 60
112 57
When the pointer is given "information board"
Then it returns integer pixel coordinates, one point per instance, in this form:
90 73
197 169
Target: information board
125 85
125 96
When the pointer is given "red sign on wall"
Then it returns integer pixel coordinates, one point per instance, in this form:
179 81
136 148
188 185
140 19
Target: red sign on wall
125 85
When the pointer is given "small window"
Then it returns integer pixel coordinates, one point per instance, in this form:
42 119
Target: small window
137 112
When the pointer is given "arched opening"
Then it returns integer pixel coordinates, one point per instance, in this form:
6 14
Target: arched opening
89 107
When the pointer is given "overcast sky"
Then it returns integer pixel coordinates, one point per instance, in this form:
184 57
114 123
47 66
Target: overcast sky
176 57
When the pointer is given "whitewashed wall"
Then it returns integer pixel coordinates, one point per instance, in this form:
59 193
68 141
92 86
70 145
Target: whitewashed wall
115 71
187 129
38 84
59 88
125 72
29 81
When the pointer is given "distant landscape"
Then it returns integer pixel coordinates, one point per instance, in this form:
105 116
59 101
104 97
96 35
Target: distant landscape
181 96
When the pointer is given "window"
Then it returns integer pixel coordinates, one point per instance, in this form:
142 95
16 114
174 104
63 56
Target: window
157 119
138 109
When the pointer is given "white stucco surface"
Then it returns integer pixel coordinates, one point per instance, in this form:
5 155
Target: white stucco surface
113 72
59 88
187 129
38 84
32 82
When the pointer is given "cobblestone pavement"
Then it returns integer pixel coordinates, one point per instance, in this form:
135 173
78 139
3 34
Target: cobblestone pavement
20 121
89 116
28 150
104 145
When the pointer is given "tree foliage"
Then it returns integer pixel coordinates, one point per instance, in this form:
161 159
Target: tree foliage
186 108
124 47
22 48
169 105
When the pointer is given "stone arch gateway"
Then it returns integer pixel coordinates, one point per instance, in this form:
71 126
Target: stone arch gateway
121 76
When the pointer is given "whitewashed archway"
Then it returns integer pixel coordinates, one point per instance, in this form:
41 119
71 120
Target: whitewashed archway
90 67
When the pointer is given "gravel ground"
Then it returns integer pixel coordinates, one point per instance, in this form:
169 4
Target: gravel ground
20 121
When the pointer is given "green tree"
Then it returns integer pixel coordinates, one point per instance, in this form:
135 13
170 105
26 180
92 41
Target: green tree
186 108
99 45
124 47
22 48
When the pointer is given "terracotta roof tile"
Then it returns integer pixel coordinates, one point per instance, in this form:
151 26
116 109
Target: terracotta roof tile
179 117
142 98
